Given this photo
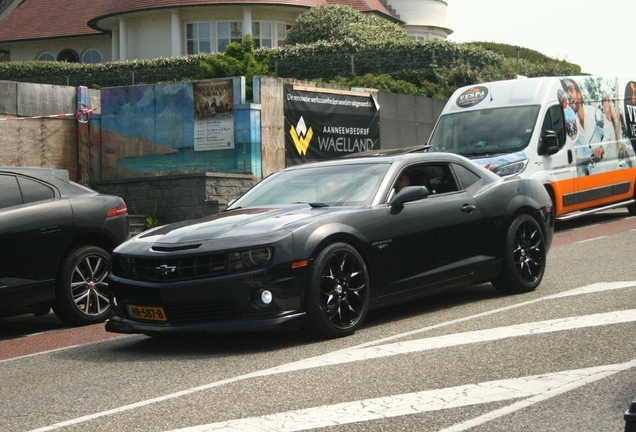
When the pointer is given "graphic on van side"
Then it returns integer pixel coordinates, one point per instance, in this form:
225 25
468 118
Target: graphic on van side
472 96
630 109
593 123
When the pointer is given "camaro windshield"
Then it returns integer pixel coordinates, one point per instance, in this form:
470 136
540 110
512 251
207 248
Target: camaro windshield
335 185
485 131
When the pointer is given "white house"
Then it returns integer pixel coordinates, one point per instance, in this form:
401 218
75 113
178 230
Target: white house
109 30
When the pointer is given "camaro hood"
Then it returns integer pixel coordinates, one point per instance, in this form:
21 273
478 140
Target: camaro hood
236 223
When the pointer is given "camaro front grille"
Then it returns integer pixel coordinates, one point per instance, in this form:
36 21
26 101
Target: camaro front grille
174 269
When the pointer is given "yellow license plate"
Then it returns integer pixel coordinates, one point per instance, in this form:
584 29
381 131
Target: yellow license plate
146 313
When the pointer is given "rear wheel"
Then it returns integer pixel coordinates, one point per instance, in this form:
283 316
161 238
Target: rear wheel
631 208
524 257
81 291
338 293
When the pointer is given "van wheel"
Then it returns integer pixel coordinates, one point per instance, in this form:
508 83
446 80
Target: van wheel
337 298
524 257
632 207
81 288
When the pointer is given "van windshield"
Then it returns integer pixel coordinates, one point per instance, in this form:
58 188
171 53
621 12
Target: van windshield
485 131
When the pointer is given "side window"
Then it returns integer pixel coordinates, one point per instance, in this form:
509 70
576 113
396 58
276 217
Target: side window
440 177
555 121
410 176
33 191
466 177
10 195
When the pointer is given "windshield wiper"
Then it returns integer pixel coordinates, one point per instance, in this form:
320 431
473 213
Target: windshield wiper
318 205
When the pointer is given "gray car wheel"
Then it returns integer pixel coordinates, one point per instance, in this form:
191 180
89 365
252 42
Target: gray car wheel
81 292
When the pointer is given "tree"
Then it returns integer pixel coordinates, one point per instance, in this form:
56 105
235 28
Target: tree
237 60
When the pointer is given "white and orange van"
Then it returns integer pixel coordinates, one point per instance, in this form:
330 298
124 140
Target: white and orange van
575 134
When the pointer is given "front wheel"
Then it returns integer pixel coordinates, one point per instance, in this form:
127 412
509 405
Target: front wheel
338 293
524 257
81 290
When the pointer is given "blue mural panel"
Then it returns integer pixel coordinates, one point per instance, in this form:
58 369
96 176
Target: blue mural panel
149 130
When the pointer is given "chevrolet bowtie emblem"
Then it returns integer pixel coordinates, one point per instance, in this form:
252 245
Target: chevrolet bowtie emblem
164 269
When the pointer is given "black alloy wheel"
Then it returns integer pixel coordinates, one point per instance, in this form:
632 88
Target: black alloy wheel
524 257
338 295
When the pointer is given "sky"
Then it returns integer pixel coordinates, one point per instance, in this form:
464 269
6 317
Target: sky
600 36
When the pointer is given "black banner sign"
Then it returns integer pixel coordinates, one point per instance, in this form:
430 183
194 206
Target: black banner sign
321 125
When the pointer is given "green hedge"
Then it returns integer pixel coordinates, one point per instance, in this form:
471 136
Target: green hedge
431 68
111 74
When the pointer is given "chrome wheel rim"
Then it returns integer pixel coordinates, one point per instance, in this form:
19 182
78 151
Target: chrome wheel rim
89 287
343 289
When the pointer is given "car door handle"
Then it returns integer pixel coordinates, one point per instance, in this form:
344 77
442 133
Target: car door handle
468 208
49 230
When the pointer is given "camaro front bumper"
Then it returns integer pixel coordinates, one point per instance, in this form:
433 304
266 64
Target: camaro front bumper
225 304
289 321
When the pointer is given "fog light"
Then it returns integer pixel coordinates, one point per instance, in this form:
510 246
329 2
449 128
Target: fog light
266 297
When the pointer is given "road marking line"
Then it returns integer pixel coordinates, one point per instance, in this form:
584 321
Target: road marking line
536 388
452 340
589 289
38 353
589 240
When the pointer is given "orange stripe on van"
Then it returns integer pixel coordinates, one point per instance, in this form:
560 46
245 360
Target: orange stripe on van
589 184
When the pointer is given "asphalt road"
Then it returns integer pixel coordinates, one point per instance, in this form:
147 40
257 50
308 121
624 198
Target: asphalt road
561 358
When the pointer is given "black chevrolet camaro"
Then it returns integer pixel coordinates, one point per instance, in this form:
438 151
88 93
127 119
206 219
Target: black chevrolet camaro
316 246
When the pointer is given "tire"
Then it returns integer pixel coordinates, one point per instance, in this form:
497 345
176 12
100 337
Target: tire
337 298
631 208
524 257
81 288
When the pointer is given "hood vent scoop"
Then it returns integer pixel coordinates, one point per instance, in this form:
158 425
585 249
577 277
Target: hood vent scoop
174 248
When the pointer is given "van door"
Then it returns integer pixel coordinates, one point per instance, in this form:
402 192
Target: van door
601 178
556 150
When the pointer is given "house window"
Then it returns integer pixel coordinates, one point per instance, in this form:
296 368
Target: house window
418 38
68 55
262 32
92 56
281 33
46 57
228 32
198 37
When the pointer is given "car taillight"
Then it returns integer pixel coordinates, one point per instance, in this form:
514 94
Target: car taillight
116 211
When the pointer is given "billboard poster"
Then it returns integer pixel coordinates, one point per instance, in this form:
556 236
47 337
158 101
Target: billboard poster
324 124
213 115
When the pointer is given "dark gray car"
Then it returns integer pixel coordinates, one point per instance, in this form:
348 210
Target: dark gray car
318 245
55 242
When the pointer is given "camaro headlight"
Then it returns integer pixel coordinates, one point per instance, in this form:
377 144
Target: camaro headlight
256 257
249 259
511 169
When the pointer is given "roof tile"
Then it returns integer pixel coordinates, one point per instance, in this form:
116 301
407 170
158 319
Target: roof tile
40 19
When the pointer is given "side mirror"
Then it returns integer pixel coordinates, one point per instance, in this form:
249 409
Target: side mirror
408 194
549 144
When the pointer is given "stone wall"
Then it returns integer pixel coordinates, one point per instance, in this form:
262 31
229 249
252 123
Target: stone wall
175 198
406 120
